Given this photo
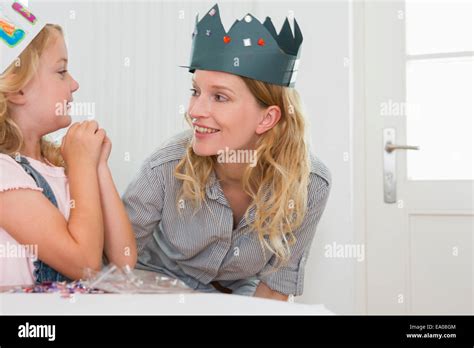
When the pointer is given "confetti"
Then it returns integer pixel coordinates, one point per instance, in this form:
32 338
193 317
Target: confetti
111 279
65 289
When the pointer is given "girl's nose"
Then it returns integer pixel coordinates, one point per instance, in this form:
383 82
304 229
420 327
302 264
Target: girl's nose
74 85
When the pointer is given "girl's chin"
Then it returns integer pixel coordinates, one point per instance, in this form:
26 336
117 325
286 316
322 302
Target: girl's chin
61 122
65 120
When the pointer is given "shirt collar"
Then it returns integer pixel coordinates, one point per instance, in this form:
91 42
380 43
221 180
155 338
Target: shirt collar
213 187
214 191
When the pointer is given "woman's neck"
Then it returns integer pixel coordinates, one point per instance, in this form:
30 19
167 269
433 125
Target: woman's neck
230 174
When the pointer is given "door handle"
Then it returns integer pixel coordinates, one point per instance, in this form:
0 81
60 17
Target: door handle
391 147
389 164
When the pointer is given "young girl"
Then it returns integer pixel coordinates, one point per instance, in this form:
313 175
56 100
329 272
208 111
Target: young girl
233 205
59 208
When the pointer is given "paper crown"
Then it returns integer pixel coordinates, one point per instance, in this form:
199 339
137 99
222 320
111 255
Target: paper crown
249 49
18 27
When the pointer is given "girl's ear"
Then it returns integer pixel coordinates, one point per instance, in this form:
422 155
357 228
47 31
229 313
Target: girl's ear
17 98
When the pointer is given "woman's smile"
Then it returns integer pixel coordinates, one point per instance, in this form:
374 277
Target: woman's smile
202 131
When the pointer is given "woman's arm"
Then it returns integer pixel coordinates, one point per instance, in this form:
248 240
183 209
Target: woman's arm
264 291
120 246
289 278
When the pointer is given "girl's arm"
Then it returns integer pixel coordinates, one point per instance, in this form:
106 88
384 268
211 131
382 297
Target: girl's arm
30 218
120 246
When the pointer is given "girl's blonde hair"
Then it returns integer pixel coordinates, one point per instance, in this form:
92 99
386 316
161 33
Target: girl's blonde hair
278 184
16 77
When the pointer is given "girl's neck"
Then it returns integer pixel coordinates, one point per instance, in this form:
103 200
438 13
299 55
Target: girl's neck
32 148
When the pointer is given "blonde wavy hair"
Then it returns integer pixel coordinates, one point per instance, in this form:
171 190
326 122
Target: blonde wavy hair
277 185
16 77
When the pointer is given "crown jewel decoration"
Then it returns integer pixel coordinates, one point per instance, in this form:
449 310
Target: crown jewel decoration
18 27
249 48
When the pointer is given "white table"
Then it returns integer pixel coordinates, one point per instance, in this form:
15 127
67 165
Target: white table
150 304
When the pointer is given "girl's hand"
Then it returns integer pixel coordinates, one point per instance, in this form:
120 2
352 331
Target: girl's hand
82 144
105 151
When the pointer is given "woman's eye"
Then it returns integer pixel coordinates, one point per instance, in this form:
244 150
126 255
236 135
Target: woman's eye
62 72
194 92
221 98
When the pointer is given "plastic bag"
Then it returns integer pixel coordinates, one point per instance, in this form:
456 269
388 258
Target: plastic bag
125 280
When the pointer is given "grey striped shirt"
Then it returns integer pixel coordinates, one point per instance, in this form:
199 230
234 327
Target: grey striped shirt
201 247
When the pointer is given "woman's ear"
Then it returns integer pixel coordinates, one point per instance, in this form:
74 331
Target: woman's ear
271 116
17 98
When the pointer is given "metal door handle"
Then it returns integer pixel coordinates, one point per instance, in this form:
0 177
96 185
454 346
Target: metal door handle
389 164
389 147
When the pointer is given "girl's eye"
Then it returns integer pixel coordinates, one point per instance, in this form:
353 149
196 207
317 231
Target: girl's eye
62 72
193 92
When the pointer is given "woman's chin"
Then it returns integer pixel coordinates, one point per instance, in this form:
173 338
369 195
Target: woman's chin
203 151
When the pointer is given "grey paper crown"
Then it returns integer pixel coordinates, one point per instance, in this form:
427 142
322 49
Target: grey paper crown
249 49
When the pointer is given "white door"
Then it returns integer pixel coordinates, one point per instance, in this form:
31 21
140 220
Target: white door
420 218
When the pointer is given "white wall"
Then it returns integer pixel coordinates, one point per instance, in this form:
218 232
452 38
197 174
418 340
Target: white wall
139 105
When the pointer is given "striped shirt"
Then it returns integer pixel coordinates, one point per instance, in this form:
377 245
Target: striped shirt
202 247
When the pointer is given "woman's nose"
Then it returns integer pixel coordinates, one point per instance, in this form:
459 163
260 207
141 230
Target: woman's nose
199 107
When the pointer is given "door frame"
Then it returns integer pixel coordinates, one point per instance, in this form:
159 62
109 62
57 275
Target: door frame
357 100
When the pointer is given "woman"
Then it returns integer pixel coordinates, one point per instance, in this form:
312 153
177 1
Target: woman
233 205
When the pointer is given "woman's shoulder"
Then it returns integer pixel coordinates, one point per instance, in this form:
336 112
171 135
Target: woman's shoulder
319 180
319 169
13 176
171 150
